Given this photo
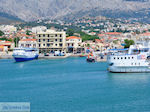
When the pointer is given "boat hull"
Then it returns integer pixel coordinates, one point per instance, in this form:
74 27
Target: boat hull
90 60
136 69
22 59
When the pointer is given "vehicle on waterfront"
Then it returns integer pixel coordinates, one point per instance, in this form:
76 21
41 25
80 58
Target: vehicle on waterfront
136 59
25 54
58 53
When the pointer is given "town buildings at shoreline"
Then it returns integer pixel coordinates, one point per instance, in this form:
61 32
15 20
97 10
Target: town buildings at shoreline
109 35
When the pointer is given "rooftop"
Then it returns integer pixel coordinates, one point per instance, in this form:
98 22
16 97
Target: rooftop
73 37
28 40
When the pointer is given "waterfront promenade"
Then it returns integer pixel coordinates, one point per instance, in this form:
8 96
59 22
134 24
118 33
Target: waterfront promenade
41 56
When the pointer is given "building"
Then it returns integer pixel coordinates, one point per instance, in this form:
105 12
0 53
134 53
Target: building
31 43
51 41
74 44
38 29
6 45
8 29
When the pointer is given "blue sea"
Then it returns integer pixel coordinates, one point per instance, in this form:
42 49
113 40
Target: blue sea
73 85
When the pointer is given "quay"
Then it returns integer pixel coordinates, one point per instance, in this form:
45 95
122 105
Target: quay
41 56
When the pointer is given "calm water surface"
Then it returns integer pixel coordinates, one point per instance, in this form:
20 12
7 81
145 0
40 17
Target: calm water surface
72 85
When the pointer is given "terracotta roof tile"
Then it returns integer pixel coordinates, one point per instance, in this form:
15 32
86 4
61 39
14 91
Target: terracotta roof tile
73 37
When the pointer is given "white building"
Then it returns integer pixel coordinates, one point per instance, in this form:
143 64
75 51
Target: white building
74 44
31 43
39 29
51 41
8 29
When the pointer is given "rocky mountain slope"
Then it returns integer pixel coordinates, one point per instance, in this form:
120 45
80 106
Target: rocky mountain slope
30 10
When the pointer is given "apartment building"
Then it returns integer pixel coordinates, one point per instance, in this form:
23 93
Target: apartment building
31 43
51 41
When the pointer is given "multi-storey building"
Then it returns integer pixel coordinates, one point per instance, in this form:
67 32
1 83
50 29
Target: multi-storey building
31 43
51 41
74 44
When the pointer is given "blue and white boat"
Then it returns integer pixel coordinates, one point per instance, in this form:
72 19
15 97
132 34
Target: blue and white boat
25 54
136 59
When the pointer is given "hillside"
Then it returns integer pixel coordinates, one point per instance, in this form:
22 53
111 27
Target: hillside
8 19
30 10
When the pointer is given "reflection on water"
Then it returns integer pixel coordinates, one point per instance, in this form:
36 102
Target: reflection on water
129 77
21 65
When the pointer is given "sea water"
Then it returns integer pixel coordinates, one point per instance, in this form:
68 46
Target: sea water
73 85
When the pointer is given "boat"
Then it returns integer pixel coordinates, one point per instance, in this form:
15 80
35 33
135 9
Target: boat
135 59
82 55
91 57
25 54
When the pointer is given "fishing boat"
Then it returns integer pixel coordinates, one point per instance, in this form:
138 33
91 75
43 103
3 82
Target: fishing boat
25 54
136 59
91 57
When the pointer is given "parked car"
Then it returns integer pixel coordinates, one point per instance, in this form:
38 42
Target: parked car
58 53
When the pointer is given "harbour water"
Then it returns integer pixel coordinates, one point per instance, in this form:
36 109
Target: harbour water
73 85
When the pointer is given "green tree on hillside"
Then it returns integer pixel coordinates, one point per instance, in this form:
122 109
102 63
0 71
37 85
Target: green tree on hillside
128 43
28 32
1 33
16 41
85 36
70 32
4 38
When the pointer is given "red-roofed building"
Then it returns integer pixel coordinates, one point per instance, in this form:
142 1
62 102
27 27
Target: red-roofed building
146 34
101 35
113 33
98 41
24 36
73 44
6 45
32 43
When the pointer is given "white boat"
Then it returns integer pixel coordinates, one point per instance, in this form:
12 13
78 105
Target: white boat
136 59
25 54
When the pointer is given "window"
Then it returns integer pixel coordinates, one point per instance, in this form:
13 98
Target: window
39 35
60 40
48 45
39 40
114 58
43 39
48 35
128 57
111 64
43 35
72 44
55 35
39 45
121 57
55 44
60 35
60 45
118 57
125 58
43 44
48 40
132 57
55 39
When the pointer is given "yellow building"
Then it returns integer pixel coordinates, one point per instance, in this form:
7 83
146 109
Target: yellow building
51 41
